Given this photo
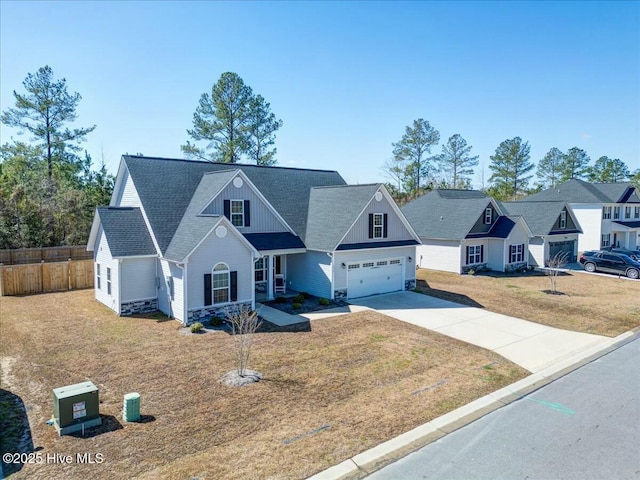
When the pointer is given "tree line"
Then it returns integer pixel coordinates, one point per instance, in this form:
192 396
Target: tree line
413 170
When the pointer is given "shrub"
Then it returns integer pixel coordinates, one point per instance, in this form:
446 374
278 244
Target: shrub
281 300
298 298
196 327
323 301
216 321
471 272
306 295
296 306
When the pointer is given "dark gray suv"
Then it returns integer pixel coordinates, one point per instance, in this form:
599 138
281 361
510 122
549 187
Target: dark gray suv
611 263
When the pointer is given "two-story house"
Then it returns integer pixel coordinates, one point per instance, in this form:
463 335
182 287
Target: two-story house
193 239
463 230
609 213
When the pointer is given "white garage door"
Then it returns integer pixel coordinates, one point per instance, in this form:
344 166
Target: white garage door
372 277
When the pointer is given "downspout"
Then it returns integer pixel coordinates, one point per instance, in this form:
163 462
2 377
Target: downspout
119 286
333 275
185 294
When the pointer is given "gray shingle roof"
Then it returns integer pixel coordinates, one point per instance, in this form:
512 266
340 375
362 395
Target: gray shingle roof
192 227
579 191
127 234
540 216
332 211
446 214
166 188
500 229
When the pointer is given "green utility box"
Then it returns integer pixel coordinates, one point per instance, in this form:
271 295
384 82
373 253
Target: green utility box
76 407
131 407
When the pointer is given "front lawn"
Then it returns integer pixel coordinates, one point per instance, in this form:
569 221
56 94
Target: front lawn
336 389
589 303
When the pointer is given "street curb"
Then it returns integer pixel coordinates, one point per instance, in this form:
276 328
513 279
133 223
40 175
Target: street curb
375 458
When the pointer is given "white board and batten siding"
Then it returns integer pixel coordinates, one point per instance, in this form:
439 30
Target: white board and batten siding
102 257
444 255
138 279
396 230
589 217
230 250
262 218
310 272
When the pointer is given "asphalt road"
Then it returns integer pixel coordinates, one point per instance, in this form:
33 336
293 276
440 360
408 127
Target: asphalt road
583 426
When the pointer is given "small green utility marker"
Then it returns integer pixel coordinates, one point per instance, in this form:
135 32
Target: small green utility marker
131 407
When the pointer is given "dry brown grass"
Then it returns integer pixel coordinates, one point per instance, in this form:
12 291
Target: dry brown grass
365 376
595 304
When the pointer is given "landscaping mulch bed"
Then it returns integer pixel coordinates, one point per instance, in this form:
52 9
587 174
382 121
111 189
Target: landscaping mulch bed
308 303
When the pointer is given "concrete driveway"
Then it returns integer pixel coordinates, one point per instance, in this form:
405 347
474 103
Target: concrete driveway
530 345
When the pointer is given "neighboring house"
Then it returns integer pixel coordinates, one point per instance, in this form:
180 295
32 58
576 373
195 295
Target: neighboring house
554 226
193 239
609 213
462 230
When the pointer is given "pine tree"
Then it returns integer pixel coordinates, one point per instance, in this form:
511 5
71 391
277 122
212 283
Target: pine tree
456 163
549 167
412 151
510 166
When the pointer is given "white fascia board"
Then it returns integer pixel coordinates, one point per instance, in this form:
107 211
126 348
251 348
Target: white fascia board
289 251
127 257
241 174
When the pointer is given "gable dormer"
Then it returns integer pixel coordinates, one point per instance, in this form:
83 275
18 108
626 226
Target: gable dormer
486 220
243 205
564 223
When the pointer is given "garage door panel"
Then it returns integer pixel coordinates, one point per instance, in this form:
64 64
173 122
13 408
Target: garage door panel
373 277
565 246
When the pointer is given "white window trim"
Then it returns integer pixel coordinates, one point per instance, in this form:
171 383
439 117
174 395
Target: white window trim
109 281
477 254
377 226
636 212
606 213
98 282
616 213
264 269
232 213
627 212
563 219
215 272
488 216
516 253
606 239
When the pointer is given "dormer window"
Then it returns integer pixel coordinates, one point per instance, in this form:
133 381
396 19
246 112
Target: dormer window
488 216
563 219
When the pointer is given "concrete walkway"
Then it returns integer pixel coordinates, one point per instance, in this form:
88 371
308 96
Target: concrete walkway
530 345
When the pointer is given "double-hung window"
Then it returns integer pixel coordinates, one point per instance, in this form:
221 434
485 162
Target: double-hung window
237 213
488 216
616 213
627 212
261 269
606 240
563 219
636 212
98 276
108 281
516 253
378 225
220 283
474 255
606 213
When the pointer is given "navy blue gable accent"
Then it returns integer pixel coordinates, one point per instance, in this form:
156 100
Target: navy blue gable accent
391 243
274 241
501 229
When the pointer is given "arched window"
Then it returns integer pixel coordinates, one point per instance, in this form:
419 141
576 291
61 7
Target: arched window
220 283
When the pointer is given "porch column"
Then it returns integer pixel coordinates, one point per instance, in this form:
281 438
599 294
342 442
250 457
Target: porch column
270 277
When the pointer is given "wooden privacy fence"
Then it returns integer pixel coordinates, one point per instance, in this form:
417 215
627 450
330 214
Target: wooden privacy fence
45 277
45 254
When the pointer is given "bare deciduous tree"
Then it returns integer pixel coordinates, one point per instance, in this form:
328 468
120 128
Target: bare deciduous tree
554 264
244 323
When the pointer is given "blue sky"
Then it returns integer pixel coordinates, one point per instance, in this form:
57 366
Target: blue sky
346 78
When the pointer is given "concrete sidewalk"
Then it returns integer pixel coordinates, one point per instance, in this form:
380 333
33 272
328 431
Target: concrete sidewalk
530 345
